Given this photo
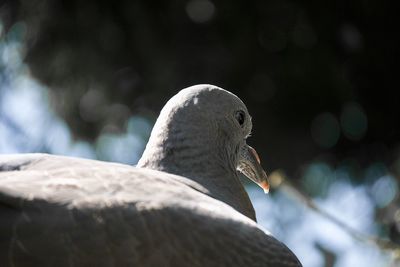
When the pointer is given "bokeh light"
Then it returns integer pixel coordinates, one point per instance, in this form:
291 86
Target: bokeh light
353 121
325 130
200 11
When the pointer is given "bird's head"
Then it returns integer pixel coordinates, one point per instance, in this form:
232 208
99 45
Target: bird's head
206 118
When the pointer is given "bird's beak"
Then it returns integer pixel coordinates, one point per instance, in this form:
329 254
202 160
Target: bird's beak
249 165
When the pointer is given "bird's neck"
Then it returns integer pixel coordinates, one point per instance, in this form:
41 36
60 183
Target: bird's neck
201 162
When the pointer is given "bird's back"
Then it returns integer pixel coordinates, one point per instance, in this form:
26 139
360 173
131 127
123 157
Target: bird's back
59 211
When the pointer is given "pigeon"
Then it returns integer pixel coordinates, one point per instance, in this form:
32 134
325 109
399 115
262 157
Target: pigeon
182 205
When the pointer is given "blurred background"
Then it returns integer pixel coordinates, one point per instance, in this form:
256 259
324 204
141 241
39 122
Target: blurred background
88 78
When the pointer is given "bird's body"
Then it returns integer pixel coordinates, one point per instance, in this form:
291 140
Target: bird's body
60 211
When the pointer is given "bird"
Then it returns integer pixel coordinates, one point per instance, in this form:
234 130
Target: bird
182 205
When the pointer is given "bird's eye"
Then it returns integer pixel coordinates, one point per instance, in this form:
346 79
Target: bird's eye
240 116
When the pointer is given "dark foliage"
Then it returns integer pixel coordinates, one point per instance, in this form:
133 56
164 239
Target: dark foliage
288 60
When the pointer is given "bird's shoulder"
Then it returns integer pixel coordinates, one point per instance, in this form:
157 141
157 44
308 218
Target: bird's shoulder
71 180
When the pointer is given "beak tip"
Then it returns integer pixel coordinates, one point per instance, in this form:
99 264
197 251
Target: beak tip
265 186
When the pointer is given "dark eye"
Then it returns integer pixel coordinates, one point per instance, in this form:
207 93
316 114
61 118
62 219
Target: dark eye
240 116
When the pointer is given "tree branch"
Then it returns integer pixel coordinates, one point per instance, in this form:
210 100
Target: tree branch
279 181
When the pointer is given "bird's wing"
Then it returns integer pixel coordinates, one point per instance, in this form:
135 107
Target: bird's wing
58 211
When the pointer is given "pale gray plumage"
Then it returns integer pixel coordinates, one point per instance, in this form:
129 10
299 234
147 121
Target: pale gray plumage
60 211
